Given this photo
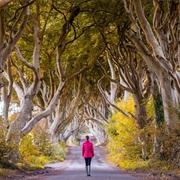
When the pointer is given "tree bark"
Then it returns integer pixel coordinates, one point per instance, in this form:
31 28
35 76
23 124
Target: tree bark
31 123
167 91
169 99
6 96
4 2
14 132
159 120
113 86
2 44
179 37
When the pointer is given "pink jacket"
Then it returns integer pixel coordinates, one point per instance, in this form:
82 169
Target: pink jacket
87 149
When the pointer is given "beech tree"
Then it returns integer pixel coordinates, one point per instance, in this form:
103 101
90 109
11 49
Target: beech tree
158 52
11 31
30 82
160 49
23 122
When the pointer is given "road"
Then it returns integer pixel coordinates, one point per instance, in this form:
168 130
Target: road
73 168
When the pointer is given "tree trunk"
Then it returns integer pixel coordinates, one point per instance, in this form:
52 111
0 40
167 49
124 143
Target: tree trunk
141 115
2 44
113 86
179 37
159 120
6 103
159 64
6 96
59 116
14 132
169 100
141 118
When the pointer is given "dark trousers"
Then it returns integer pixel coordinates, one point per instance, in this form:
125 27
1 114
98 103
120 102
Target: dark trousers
88 161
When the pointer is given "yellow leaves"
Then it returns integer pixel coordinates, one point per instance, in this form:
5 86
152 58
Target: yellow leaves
129 164
29 153
34 153
150 108
124 126
123 133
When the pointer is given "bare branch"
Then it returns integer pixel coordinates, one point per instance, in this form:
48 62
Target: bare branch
98 112
29 126
103 94
23 80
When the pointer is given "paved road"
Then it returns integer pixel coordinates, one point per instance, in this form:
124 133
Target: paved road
74 168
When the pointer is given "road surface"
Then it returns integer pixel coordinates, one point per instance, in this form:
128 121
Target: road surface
73 168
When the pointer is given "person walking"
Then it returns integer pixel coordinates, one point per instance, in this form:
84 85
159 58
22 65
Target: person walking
88 153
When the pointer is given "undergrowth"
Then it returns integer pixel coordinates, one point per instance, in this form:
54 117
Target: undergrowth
125 149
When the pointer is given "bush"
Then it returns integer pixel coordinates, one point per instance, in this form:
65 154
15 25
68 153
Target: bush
56 151
123 132
5 150
36 150
30 155
162 143
169 145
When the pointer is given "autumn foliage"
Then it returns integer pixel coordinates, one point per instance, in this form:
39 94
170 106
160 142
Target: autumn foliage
125 148
123 144
34 151
38 150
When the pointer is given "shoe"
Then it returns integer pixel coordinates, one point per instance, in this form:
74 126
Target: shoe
88 175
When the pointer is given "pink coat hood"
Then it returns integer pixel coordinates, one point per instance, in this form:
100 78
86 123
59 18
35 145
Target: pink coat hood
87 149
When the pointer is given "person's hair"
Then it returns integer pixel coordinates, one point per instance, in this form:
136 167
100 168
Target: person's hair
87 137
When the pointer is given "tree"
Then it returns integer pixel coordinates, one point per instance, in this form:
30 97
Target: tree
158 50
23 122
10 33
